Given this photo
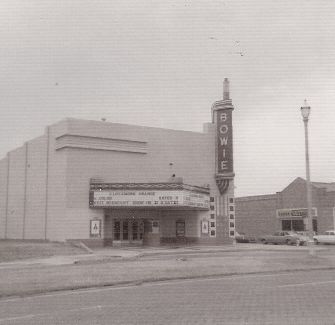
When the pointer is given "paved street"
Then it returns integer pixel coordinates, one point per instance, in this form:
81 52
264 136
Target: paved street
284 298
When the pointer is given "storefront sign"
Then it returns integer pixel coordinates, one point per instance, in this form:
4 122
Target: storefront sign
224 142
295 213
138 198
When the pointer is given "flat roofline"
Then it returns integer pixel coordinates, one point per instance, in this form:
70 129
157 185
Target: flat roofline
111 123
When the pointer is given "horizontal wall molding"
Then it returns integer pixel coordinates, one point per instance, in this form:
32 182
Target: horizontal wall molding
97 143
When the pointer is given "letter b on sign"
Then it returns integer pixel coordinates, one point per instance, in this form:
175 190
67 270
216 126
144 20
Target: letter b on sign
223 117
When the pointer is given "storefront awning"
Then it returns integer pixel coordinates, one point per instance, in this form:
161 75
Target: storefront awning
149 195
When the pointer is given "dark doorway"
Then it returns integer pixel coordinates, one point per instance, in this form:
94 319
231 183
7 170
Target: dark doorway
180 229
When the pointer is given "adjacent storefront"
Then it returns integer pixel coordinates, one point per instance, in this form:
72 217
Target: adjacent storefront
295 219
287 210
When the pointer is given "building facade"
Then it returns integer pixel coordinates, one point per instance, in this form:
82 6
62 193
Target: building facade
111 184
287 210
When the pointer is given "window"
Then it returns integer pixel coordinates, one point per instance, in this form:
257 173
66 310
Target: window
231 200
211 199
212 232
231 233
231 224
212 216
231 208
286 224
212 207
231 216
212 224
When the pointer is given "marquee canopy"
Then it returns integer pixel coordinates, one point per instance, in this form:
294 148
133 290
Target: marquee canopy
149 195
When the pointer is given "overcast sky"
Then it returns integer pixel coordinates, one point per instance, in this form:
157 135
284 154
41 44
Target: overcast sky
162 63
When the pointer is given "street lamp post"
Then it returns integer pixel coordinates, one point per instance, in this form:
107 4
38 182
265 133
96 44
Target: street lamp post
305 111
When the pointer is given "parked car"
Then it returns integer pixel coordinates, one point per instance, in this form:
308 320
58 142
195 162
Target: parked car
304 237
241 237
284 237
327 238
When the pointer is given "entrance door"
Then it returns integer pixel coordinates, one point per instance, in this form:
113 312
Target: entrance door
125 230
137 230
128 231
180 231
117 230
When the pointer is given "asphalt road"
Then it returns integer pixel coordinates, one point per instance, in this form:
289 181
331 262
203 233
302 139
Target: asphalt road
285 298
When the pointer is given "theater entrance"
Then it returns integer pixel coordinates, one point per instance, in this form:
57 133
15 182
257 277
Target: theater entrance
128 231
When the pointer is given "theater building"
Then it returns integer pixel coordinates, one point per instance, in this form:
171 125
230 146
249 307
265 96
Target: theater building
104 183
287 210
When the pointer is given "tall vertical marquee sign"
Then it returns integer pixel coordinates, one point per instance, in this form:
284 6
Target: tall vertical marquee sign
222 116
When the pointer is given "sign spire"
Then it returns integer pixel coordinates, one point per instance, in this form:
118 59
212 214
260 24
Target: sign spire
226 89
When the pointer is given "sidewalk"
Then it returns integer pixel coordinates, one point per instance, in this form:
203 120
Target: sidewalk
129 266
115 254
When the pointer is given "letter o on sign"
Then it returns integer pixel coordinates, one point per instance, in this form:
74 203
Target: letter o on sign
223 129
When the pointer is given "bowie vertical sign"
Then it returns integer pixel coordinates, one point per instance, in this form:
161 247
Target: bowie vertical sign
224 141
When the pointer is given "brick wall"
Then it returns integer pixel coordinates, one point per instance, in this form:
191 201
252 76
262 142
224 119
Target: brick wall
325 211
256 215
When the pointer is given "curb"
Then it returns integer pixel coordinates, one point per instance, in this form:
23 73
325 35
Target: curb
118 258
231 250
